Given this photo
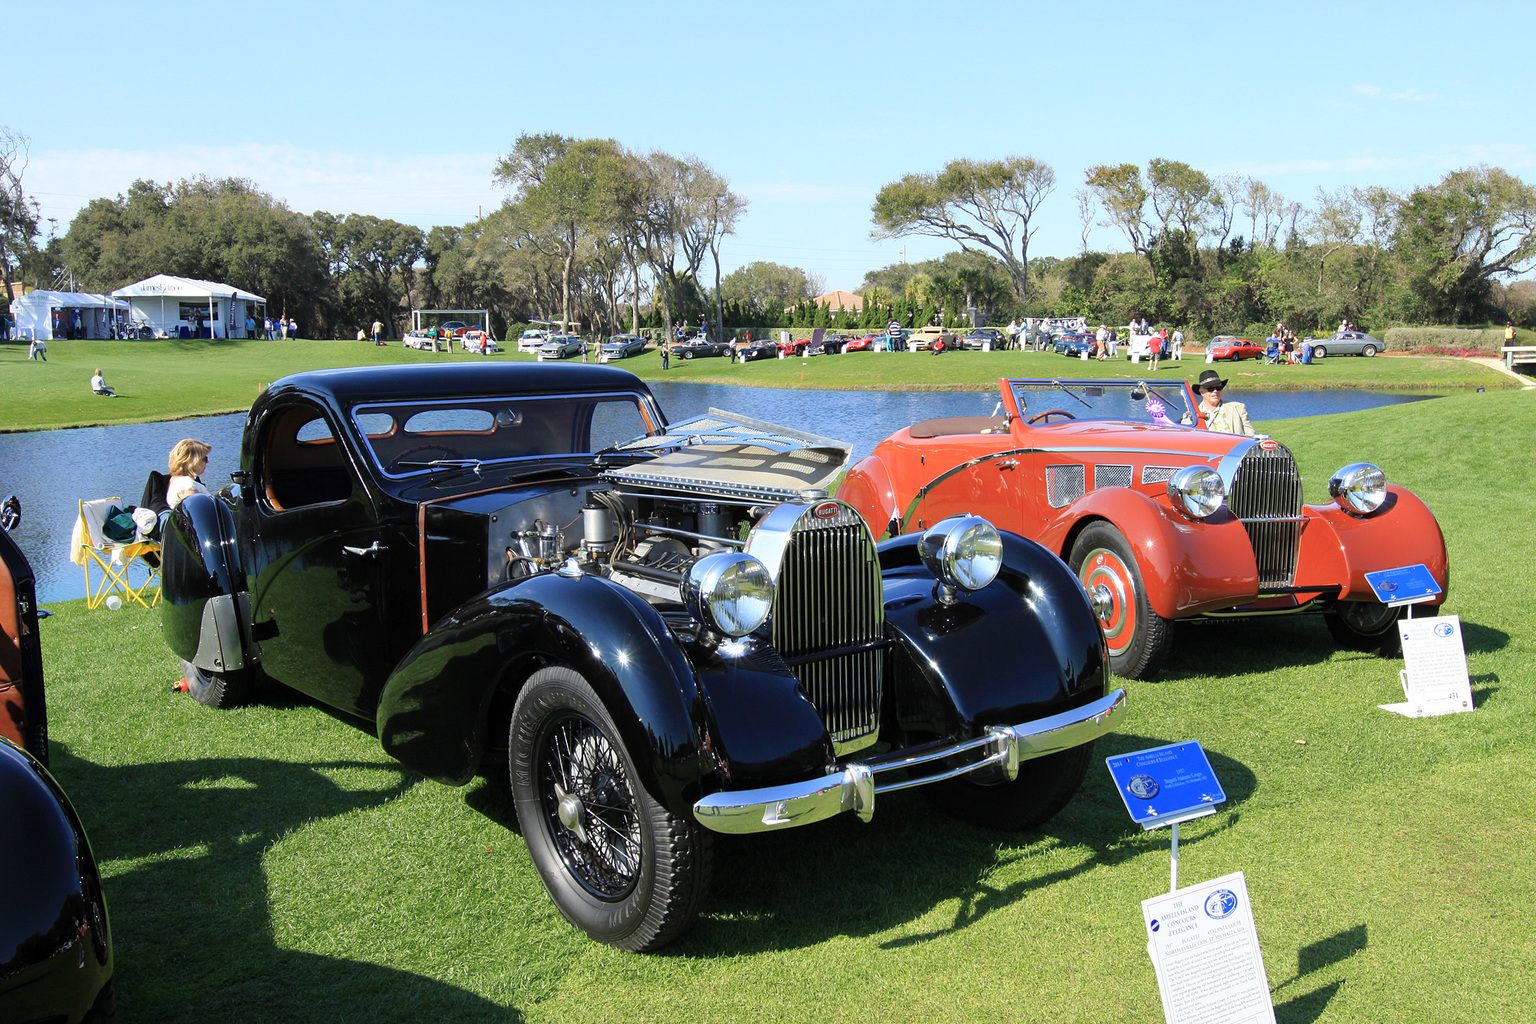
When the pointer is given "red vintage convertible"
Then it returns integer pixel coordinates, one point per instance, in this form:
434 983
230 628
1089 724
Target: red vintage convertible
1159 519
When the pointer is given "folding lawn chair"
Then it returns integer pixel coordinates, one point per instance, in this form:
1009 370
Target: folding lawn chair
116 563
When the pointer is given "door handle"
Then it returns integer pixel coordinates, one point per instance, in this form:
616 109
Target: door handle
1008 464
374 550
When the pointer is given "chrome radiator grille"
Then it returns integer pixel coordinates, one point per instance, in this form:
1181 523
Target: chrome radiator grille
1266 496
829 599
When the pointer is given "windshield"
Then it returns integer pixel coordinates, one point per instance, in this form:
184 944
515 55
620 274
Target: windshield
1164 401
420 436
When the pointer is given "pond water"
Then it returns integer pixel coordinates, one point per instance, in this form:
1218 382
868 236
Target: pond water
50 470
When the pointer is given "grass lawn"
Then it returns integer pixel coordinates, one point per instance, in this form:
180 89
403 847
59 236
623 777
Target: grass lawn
271 864
160 380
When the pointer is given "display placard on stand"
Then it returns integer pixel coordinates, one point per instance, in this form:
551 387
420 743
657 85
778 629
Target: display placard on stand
1205 950
1434 673
1408 584
1165 786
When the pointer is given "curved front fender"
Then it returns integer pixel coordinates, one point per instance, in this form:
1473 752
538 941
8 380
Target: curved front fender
1026 647
1339 548
1188 566
868 488
435 710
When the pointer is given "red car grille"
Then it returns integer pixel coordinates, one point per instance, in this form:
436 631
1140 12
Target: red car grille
1266 496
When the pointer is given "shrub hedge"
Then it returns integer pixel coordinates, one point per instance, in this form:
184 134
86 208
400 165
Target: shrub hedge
1443 340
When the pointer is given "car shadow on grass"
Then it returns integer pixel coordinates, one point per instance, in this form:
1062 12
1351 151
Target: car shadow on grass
843 877
182 847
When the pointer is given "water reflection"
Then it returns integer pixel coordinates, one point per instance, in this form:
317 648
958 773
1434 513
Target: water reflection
51 470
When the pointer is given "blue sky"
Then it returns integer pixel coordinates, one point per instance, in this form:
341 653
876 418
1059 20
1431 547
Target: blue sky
807 109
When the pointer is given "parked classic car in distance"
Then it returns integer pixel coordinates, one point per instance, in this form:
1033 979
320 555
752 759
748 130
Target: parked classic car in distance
1074 345
478 341
561 346
532 340
656 632
1161 521
698 348
1345 343
923 338
55 938
750 351
980 337
1226 347
622 346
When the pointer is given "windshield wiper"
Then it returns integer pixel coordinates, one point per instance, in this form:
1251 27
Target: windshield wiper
473 465
1074 394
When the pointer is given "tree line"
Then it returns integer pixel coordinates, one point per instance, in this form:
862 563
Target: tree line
1223 254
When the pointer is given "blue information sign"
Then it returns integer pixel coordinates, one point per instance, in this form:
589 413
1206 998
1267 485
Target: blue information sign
1166 784
1409 584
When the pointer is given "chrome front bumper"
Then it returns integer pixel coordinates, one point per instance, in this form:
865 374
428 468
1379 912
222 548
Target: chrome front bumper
853 787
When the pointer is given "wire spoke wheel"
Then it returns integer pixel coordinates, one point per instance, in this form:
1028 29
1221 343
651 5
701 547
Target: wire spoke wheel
617 864
589 807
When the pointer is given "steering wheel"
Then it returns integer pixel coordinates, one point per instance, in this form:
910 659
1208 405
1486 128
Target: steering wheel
1050 412
444 452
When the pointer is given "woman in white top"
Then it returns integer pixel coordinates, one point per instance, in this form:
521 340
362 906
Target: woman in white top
188 460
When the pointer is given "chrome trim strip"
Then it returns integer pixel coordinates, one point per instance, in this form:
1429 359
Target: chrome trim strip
854 787
1226 466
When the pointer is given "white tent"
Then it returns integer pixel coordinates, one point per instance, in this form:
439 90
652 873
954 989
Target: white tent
36 312
186 306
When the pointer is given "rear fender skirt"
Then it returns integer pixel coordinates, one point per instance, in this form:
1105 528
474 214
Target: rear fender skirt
435 710
1027 646
1188 566
204 606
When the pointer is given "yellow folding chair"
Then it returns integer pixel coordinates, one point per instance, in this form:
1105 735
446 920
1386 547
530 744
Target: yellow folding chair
116 564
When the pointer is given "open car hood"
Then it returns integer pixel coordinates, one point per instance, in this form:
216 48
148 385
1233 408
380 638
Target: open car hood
734 456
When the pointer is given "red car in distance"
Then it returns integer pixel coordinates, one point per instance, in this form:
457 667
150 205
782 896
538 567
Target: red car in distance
1226 347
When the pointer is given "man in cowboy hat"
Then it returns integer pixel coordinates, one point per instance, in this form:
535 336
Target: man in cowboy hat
1224 417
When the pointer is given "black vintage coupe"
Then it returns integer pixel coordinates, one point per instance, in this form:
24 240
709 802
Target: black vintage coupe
655 632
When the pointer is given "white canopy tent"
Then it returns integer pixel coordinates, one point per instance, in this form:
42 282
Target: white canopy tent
49 315
191 308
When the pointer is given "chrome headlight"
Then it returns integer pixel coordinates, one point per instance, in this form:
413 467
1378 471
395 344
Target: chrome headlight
964 552
730 591
1359 488
1197 491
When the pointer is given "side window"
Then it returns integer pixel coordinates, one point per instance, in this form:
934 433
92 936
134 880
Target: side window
302 462
614 423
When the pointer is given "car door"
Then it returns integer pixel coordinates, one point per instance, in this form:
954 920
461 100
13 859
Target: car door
319 603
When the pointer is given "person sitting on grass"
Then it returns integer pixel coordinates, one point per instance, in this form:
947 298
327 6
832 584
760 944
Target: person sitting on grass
99 385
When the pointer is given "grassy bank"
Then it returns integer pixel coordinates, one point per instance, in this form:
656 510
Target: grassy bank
159 380
272 864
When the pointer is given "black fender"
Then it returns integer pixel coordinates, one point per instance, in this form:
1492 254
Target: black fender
435 712
54 932
205 609
1026 646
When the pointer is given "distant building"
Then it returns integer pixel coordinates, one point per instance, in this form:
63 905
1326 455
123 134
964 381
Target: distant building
841 300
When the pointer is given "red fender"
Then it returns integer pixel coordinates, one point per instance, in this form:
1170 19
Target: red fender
1339 549
867 487
1188 566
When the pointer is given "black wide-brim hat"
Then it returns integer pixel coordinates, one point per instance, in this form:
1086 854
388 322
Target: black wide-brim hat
1209 377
